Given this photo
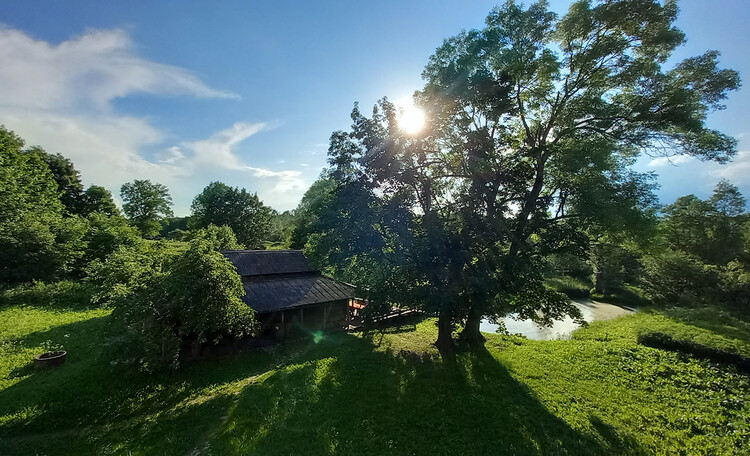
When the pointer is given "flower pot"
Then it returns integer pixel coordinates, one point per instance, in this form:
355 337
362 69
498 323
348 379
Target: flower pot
50 359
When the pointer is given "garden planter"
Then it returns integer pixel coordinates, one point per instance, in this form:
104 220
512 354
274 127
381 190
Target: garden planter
50 359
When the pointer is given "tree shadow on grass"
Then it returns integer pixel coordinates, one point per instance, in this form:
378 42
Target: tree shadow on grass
341 396
88 399
352 399
732 325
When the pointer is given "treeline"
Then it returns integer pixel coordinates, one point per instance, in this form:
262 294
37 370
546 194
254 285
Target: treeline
163 293
697 252
51 227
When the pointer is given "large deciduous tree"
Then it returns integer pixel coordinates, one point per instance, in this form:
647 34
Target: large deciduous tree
97 199
35 241
219 204
533 123
67 177
146 204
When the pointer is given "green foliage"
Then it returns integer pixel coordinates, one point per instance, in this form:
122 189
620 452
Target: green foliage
165 298
313 205
220 204
66 176
734 285
174 223
128 272
571 287
59 296
105 234
711 230
204 293
35 241
218 237
98 199
675 276
146 204
282 227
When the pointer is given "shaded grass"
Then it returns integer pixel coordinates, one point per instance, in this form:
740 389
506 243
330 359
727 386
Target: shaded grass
600 393
570 286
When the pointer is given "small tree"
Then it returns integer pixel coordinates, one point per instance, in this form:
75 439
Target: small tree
166 300
146 204
218 237
98 199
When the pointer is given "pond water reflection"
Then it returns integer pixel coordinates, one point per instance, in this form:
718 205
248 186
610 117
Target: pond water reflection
561 329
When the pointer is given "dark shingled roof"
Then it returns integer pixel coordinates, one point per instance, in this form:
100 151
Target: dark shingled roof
283 279
262 262
273 295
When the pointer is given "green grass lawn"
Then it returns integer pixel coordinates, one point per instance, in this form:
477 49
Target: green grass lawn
599 393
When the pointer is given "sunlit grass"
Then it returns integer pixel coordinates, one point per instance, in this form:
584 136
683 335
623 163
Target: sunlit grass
377 393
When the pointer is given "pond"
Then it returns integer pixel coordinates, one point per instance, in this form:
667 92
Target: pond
561 329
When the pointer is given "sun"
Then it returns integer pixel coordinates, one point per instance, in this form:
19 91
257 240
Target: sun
410 119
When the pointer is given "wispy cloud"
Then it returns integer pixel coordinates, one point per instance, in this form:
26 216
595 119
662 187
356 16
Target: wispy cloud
218 151
60 96
88 71
673 160
738 170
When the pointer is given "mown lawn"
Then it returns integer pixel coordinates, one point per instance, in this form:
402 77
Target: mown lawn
600 393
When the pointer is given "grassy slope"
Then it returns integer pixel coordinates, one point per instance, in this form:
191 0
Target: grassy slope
598 394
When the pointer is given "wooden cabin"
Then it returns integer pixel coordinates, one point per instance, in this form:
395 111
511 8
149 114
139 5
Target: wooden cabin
288 295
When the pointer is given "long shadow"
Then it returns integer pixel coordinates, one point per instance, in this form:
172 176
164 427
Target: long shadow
90 394
341 396
351 399
733 325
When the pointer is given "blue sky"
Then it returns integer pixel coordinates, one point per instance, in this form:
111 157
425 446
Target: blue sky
248 93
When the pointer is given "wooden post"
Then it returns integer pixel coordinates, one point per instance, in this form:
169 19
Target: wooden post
325 315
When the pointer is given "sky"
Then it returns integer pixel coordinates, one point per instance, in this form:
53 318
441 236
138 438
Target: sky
248 93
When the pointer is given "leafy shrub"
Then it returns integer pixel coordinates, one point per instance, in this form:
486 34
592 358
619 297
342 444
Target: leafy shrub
105 234
165 300
734 283
58 295
570 286
219 237
679 278
666 342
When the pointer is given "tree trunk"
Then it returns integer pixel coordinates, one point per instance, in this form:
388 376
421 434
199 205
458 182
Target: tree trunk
598 282
471 333
444 341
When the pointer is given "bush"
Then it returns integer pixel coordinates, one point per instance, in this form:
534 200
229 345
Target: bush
105 234
679 278
58 295
666 342
165 300
219 237
570 286
734 282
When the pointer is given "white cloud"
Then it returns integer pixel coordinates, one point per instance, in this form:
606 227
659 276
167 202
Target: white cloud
85 72
59 96
673 160
738 170
218 151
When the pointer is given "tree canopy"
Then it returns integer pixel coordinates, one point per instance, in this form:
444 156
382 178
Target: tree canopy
35 241
146 204
533 124
219 204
